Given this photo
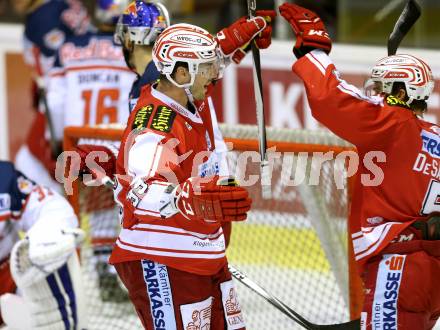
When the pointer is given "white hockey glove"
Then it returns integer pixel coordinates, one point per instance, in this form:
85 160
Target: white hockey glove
42 252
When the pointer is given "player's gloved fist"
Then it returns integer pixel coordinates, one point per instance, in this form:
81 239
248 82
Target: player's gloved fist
212 199
309 29
234 39
91 156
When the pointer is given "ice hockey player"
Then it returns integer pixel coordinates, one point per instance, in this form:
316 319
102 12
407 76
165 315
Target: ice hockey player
394 229
170 253
42 266
89 83
48 23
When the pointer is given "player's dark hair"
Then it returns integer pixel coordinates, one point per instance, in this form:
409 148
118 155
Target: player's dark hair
419 105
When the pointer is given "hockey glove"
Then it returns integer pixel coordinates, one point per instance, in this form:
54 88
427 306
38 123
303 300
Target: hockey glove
309 29
211 200
234 40
95 156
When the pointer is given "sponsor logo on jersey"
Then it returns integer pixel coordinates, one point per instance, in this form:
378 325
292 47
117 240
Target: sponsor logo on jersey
160 295
163 119
96 49
197 316
394 101
431 143
142 117
210 167
389 277
24 185
231 306
54 39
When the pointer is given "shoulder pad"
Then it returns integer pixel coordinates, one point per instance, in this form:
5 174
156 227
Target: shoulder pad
142 117
394 101
163 119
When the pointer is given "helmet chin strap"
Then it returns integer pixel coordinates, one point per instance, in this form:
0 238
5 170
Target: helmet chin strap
189 95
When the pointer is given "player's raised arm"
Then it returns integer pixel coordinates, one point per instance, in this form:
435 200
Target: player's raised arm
341 107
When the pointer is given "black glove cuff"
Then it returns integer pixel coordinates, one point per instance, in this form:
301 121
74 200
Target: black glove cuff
300 52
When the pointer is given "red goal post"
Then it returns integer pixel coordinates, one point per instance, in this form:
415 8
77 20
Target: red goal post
296 244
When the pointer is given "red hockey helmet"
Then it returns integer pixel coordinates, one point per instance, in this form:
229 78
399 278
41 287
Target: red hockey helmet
189 44
408 69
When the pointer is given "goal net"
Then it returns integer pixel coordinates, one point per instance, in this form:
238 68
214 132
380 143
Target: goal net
294 244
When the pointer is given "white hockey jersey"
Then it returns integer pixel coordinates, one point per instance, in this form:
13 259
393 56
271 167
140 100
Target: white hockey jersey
89 83
23 204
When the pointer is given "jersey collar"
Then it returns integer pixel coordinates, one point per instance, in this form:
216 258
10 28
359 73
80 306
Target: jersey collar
195 117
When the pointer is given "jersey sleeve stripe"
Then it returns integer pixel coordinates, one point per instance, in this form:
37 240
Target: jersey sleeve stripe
319 59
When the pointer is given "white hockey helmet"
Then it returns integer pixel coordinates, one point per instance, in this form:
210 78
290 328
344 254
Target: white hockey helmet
408 69
189 44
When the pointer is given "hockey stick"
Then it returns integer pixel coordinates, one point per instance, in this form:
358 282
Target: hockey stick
274 301
258 91
410 14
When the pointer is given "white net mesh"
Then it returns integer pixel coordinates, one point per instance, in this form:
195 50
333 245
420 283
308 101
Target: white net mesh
294 244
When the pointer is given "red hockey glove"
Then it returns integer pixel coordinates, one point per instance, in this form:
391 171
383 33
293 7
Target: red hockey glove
88 167
309 29
234 39
203 200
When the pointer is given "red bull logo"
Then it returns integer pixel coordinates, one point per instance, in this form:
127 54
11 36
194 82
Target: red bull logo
131 9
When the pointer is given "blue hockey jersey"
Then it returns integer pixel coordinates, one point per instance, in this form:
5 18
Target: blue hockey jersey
48 26
150 75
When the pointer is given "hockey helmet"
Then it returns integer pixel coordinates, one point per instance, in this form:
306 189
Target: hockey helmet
414 73
108 11
141 22
189 44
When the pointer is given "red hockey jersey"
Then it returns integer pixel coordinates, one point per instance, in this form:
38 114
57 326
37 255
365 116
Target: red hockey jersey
165 143
398 179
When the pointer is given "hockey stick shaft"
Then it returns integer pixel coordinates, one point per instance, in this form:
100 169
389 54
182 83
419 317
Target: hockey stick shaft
259 102
267 296
289 312
410 14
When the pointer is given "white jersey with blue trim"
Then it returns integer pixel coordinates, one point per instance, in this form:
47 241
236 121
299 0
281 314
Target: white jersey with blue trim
89 83
23 204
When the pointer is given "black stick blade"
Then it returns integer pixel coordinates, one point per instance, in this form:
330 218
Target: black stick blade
410 14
